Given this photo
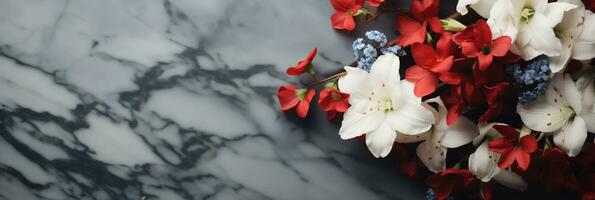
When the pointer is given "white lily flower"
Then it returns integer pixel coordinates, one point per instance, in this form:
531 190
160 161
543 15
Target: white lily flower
482 7
483 163
436 141
530 24
576 42
381 105
566 109
584 47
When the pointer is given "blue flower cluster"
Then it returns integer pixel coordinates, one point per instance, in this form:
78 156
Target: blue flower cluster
366 49
530 77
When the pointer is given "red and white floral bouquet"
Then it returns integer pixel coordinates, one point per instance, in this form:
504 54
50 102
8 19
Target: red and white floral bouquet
507 84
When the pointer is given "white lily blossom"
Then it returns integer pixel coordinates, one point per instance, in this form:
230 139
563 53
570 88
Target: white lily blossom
566 109
381 105
436 141
483 163
482 7
530 24
577 36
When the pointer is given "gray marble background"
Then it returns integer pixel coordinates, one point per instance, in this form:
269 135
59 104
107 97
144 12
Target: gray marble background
174 99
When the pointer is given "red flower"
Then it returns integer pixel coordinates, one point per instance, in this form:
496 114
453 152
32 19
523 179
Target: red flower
413 31
493 97
302 65
406 158
289 97
375 3
449 181
332 101
512 148
344 12
430 66
423 10
480 45
553 171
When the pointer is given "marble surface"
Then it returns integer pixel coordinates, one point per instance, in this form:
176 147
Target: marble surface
174 99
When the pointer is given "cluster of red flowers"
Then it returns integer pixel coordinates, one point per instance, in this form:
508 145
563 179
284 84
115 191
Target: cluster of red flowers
330 100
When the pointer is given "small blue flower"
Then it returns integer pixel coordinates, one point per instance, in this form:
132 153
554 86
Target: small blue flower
397 50
377 37
531 77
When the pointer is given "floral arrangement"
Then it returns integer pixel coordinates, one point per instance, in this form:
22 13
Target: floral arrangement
506 85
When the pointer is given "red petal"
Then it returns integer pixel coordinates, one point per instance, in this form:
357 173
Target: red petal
415 73
417 10
407 26
411 31
346 5
325 99
287 98
330 115
453 114
436 25
440 185
299 69
423 54
444 65
485 61
528 143
445 47
452 78
506 159
341 20
500 145
349 24
425 80
486 191
500 46
482 33
462 36
522 158
375 3
312 55
304 105
507 131
469 49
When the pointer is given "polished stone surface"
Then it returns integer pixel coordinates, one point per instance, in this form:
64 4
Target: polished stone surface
174 99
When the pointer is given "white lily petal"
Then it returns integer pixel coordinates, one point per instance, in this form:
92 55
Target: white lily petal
381 140
567 91
584 48
462 6
385 70
572 136
541 116
411 119
511 180
505 17
537 38
440 114
539 5
483 163
460 133
555 11
432 154
558 63
486 129
355 83
403 138
357 122
483 7
586 86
